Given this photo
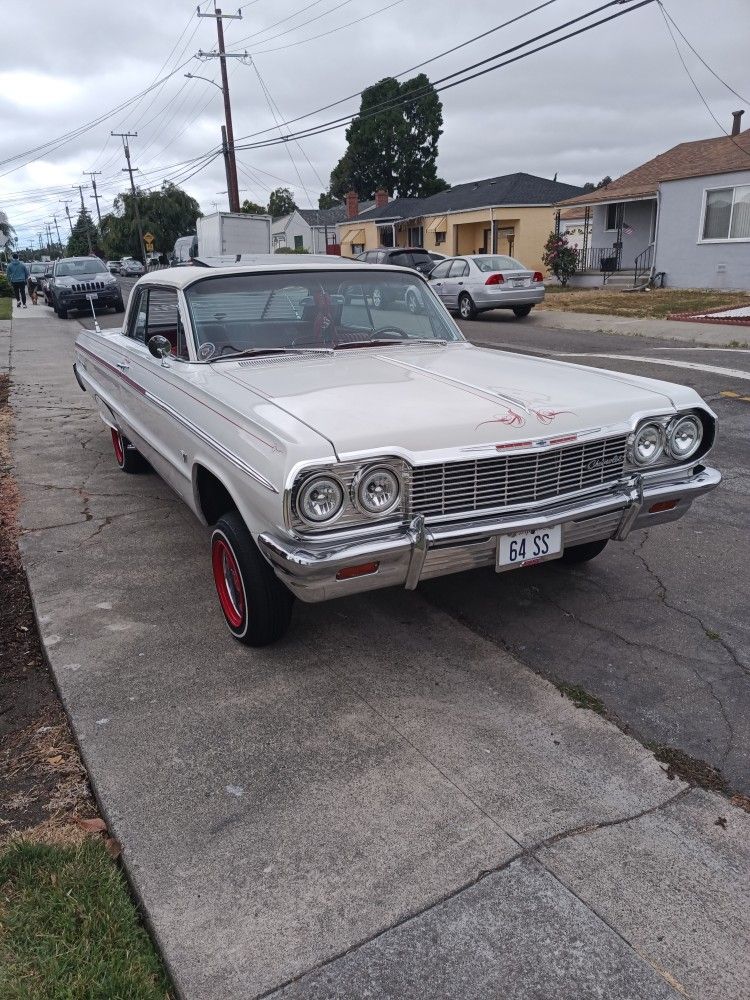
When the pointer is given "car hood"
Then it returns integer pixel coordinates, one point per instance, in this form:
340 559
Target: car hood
417 400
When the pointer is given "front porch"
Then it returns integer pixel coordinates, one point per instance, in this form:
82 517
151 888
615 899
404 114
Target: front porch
622 244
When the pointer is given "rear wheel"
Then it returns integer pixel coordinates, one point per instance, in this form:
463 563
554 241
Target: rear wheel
466 308
521 311
127 455
583 553
256 605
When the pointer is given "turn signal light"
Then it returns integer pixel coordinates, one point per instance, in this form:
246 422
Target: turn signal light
351 571
538 276
495 279
663 505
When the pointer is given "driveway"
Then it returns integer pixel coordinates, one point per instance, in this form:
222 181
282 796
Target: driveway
386 804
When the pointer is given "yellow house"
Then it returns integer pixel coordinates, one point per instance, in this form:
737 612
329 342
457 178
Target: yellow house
510 215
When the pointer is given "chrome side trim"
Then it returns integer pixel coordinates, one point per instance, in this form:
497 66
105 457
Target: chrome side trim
212 443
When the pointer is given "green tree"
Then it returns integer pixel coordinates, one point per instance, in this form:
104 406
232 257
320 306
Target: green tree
252 208
393 142
590 186
326 200
84 239
560 258
281 202
167 213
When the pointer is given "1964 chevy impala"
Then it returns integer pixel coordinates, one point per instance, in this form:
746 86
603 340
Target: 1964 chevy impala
336 447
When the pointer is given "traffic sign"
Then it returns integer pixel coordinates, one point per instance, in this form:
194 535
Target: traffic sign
148 239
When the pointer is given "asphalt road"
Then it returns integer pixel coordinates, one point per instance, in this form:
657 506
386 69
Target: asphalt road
657 627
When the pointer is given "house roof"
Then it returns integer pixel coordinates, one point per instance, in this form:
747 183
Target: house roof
510 189
330 216
690 159
571 213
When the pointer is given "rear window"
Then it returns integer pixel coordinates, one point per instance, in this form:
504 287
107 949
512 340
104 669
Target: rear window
497 263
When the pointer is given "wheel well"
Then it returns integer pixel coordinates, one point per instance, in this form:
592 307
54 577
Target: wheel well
213 496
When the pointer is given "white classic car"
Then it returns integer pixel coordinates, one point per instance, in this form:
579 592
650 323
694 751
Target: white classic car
334 447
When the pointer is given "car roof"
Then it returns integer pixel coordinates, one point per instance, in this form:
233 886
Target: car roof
181 277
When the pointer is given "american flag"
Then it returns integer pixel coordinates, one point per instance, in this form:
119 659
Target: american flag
627 229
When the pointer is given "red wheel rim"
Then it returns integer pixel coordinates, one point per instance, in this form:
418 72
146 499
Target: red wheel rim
118 446
228 582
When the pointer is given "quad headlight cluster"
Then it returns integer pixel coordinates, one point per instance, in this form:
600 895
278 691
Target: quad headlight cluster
373 492
677 439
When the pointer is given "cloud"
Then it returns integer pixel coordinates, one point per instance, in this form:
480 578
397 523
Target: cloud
598 104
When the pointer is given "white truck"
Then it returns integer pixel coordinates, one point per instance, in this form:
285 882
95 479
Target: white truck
233 233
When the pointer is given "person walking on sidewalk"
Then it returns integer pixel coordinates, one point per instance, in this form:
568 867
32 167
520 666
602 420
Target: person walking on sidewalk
17 274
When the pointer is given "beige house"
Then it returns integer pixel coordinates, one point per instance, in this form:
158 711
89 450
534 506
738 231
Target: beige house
510 215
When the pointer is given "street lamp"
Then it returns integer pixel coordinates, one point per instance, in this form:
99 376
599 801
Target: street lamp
194 76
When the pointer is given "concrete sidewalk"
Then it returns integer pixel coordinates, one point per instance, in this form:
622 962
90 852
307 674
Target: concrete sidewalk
681 332
386 804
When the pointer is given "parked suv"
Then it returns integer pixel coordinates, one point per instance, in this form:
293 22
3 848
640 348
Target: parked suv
414 257
77 282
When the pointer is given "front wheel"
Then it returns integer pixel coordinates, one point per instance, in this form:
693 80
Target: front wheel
520 311
466 308
584 553
119 306
257 606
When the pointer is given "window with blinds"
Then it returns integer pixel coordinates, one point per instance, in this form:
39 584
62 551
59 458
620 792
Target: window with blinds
727 214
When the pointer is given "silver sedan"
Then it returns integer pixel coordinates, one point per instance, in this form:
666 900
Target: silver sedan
478 282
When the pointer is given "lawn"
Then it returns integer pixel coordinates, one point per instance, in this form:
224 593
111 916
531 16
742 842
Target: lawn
656 304
68 928
5 308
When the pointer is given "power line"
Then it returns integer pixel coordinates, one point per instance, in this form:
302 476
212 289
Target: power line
697 88
469 41
402 101
697 54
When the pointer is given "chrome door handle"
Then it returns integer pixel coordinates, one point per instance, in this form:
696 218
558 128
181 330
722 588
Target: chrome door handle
122 365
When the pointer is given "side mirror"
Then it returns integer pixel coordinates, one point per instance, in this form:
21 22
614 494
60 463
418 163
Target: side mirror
159 347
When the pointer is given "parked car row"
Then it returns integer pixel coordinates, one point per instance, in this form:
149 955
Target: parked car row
467 285
127 266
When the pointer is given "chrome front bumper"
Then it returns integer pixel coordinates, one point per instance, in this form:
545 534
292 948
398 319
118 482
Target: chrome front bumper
406 555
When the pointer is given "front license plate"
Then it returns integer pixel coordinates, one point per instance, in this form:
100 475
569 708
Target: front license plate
92 295
526 548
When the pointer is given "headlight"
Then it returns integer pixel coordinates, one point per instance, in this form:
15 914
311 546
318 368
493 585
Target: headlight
376 490
684 436
320 499
648 444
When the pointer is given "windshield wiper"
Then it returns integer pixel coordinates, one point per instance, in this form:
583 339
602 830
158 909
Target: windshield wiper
257 351
388 342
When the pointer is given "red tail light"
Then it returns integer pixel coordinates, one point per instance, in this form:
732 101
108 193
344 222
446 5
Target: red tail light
538 276
495 279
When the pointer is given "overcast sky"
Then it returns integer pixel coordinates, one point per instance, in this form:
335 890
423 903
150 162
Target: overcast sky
599 104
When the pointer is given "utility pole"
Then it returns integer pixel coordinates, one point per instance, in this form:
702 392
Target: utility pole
129 169
57 229
222 55
83 216
66 202
49 236
93 174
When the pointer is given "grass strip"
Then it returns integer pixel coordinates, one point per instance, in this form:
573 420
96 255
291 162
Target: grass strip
6 308
69 929
656 304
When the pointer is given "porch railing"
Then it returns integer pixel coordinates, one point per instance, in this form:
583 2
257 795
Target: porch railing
604 259
643 263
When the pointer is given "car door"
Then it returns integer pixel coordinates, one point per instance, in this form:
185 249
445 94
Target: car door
454 283
150 387
437 278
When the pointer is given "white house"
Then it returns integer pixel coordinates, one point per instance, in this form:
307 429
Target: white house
683 216
311 229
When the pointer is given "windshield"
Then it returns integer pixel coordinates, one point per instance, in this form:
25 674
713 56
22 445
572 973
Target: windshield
75 267
244 312
487 263
38 268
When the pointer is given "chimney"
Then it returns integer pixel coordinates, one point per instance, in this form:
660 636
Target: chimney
381 198
736 117
352 205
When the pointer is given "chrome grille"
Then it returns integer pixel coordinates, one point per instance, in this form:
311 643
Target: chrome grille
87 286
515 480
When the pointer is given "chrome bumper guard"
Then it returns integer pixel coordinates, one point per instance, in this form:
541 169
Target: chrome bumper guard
406 555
